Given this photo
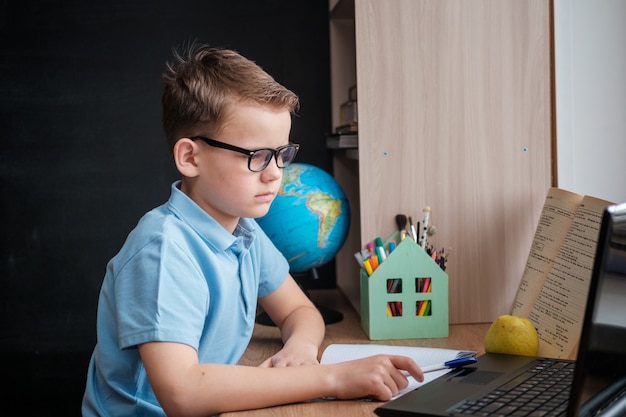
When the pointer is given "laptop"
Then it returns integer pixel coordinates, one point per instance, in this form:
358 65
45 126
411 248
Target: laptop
502 385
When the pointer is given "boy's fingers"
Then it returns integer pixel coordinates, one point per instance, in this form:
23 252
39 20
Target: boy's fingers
409 365
267 363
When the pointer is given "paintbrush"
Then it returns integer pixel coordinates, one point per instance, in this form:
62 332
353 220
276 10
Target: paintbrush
401 223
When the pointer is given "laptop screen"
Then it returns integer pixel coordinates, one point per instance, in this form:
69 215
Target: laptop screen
601 363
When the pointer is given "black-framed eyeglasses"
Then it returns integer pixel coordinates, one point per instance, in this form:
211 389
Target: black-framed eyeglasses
258 159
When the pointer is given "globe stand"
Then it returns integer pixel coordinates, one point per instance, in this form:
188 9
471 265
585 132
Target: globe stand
329 315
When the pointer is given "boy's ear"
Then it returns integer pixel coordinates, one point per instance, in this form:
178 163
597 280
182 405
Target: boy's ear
185 151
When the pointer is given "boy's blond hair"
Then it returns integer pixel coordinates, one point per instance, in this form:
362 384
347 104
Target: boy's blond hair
199 85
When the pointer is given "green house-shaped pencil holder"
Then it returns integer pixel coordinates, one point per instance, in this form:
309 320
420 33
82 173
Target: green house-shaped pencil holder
406 297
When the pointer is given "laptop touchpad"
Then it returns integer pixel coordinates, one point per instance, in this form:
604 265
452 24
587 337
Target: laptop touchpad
472 376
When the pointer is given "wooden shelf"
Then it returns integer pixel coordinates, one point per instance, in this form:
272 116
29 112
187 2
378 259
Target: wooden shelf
454 113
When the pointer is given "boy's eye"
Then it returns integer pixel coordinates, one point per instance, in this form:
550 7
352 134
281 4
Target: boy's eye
260 158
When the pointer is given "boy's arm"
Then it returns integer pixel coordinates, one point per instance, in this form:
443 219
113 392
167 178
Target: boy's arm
185 387
300 322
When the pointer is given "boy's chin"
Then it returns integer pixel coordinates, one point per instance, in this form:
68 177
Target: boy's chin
261 213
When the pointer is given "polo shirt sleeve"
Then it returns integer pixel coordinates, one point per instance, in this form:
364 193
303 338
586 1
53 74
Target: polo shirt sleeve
161 296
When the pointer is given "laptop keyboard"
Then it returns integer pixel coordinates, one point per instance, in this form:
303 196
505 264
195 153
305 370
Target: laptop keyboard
542 391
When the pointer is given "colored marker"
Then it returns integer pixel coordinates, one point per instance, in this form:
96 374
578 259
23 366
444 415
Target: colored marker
373 262
380 249
368 267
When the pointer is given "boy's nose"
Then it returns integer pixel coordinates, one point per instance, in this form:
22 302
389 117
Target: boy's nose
272 172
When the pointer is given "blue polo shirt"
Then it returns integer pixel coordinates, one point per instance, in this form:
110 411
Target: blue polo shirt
179 277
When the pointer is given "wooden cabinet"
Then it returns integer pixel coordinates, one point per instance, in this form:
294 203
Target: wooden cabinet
454 112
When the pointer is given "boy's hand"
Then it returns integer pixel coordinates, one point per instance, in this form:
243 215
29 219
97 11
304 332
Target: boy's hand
293 354
379 376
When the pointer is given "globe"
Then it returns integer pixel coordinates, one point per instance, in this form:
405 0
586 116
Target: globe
309 218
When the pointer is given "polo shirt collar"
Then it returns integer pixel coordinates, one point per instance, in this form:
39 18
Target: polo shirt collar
206 226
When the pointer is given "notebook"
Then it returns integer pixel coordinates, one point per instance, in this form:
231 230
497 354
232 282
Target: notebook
425 356
593 385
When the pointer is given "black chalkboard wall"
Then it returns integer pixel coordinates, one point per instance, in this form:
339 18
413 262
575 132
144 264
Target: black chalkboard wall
83 156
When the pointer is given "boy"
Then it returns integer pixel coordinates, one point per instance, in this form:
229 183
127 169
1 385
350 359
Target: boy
178 302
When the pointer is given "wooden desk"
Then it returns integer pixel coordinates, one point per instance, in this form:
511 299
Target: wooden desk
266 341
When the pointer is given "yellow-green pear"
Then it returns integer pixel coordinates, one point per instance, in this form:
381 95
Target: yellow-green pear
512 334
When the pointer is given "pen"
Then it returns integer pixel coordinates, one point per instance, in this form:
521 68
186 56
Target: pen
454 363
417 238
359 258
426 220
413 231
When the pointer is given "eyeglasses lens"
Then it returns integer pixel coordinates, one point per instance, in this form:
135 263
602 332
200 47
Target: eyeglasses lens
286 156
261 158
